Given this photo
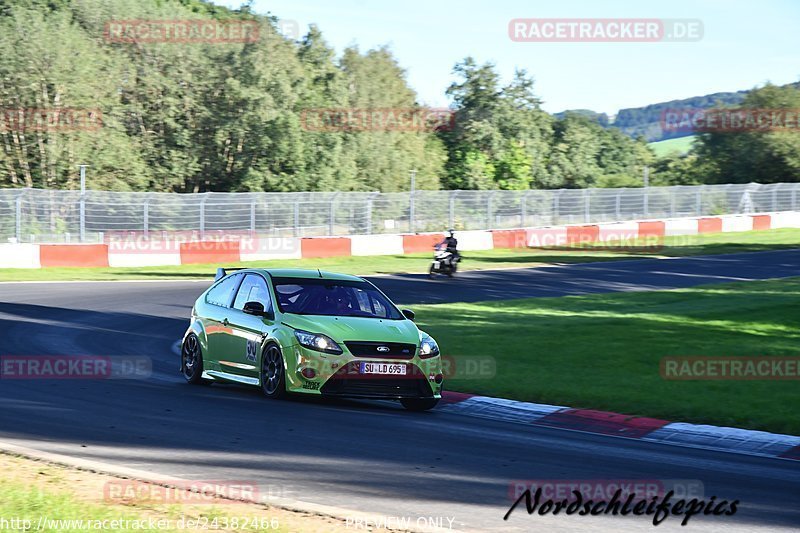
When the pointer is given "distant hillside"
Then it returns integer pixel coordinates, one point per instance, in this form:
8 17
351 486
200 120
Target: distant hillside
646 121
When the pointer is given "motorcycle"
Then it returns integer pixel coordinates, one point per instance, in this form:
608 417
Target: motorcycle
444 262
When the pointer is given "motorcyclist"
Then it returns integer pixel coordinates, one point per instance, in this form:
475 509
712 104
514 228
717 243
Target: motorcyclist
451 244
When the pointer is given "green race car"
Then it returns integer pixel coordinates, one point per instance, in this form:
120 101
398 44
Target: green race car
310 332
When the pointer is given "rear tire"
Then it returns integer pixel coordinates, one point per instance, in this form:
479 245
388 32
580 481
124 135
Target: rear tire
419 404
273 376
192 361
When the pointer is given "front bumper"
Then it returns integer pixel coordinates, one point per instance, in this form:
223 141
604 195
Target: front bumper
339 375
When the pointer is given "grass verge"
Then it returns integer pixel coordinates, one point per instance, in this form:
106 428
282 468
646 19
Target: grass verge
711 243
49 498
603 351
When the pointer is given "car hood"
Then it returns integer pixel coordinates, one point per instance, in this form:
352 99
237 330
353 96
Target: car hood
346 328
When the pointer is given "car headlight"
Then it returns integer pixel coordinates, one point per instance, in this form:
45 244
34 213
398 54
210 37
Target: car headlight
428 347
317 341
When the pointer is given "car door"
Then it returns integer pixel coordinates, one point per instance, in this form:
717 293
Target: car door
248 330
219 300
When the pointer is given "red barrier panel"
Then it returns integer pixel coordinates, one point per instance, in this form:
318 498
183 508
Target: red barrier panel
651 229
709 225
762 222
511 238
198 252
324 247
582 234
73 255
413 244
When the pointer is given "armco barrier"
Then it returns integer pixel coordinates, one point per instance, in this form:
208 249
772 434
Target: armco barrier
247 248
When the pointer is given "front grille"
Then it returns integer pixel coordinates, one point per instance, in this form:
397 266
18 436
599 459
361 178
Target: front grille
381 350
348 382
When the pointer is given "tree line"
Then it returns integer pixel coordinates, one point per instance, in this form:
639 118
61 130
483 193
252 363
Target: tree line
208 116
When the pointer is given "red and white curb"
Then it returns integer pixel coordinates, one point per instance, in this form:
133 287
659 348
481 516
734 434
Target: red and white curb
745 441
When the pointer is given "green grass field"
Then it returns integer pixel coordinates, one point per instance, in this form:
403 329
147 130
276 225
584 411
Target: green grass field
681 145
418 263
603 351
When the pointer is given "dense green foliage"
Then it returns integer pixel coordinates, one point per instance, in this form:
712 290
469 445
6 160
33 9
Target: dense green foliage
231 116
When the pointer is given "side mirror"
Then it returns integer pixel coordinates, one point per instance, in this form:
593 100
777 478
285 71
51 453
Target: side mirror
257 309
409 314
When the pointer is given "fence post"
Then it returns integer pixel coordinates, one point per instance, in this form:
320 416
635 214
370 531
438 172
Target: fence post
411 211
489 210
523 208
673 198
775 198
699 207
203 217
297 218
146 218
252 217
617 204
451 218
332 213
794 196
556 207
18 217
586 207
370 201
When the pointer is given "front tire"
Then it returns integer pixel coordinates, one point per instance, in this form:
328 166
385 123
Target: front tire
273 376
419 404
431 272
192 360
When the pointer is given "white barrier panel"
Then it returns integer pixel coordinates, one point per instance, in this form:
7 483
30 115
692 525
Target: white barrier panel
474 240
787 219
376 245
737 223
618 231
680 226
264 249
19 256
143 260
546 237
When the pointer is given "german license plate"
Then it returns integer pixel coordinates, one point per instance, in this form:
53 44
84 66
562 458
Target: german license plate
388 369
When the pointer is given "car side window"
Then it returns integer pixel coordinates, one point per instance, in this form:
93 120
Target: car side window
222 293
253 289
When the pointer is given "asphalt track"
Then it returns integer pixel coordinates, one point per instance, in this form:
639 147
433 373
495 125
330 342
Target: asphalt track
367 456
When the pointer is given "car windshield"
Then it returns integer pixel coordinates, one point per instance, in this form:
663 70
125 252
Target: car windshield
310 296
